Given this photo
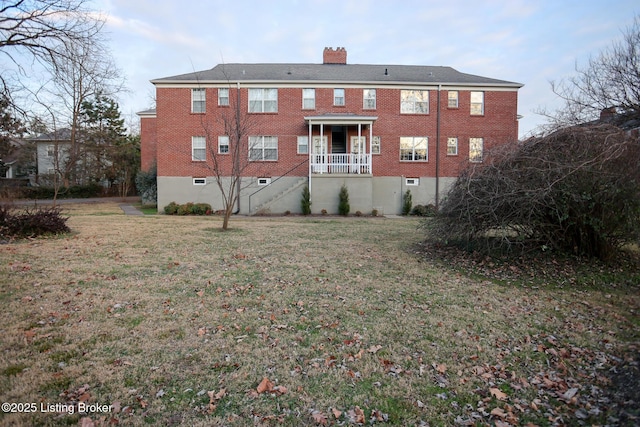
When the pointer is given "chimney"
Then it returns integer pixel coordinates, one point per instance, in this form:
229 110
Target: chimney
607 113
337 56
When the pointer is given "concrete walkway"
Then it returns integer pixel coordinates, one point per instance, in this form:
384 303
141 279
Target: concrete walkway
130 210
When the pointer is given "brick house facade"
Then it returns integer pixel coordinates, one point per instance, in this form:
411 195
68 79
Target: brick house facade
378 129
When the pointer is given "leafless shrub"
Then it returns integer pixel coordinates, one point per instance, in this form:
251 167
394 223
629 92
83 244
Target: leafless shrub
576 190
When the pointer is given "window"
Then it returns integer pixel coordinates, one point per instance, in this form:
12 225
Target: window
477 103
475 149
263 148
414 102
453 99
412 181
358 146
308 99
369 99
375 145
264 181
198 148
413 148
263 100
223 96
338 97
303 145
452 146
199 181
223 144
51 150
320 147
198 100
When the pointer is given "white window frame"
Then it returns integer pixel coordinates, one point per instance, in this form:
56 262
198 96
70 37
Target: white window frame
303 141
51 150
223 97
414 142
477 103
339 97
223 141
358 148
199 181
414 102
375 145
476 150
198 148
263 100
368 99
198 100
452 101
308 99
263 148
412 181
452 146
318 147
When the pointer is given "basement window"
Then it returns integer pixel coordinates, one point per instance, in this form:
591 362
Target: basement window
412 181
199 181
264 181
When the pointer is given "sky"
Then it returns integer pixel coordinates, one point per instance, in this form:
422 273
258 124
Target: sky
532 42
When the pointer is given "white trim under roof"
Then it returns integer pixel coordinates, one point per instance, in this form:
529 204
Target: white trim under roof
340 119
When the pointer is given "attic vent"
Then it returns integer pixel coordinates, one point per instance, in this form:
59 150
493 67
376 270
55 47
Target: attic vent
386 71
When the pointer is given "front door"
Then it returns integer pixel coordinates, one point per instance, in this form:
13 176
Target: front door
338 140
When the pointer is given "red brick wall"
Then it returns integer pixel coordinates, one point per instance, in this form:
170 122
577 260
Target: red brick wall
148 140
176 126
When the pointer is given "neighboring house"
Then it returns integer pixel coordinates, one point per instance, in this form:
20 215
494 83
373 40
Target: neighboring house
20 161
52 154
378 129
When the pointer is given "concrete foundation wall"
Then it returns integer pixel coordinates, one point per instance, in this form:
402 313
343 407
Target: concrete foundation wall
366 193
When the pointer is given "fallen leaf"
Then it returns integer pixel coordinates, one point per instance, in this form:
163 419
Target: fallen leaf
319 418
498 412
264 386
336 413
497 394
374 349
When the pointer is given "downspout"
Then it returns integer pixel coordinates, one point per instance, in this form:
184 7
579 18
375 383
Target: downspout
438 150
237 160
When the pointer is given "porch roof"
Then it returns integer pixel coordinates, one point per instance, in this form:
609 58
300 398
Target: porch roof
340 119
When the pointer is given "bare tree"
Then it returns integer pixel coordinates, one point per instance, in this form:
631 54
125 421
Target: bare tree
44 31
228 167
609 81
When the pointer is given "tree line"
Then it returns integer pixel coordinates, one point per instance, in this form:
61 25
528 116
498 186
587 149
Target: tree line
59 78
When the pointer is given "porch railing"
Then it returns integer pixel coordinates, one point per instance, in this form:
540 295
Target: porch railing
341 163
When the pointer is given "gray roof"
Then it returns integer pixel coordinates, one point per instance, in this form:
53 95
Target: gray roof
334 73
58 135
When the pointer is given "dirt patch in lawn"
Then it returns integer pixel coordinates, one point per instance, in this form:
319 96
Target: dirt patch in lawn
293 321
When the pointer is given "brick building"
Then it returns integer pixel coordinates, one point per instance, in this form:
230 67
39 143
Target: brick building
378 129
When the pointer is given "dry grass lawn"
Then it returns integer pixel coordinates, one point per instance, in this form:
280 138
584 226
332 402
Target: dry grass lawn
292 321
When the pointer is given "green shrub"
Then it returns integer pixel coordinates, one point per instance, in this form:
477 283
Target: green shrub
343 205
305 203
188 209
422 210
147 186
407 202
171 208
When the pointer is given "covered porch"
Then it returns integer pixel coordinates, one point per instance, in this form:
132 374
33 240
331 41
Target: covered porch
340 144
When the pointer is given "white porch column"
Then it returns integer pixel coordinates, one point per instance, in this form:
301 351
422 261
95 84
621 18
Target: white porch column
310 150
371 148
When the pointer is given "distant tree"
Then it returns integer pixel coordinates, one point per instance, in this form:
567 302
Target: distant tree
609 81
106 148
10 127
